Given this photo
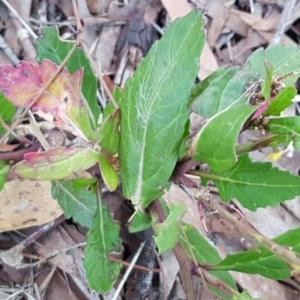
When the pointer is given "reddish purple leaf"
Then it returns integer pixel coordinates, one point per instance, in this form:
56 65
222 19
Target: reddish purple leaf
60 103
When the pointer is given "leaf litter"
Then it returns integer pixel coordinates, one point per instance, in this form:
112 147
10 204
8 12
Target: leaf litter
234 31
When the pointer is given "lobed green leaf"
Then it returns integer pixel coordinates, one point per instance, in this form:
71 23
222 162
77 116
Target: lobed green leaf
286 125
79 204
254 184
261 261
167 233
102 239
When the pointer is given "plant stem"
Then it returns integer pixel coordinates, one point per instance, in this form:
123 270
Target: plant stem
290 257
259 144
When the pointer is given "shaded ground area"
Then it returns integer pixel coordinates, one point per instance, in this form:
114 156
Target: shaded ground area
41 261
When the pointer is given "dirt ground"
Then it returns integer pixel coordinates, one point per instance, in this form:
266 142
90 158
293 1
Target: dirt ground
41 252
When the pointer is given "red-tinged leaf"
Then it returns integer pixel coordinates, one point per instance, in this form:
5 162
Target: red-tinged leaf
55 164
60 103
261 110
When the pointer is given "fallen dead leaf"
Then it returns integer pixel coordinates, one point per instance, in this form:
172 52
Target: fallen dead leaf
219 13
7 148
26 203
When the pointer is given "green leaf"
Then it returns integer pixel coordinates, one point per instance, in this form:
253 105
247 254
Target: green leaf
7 111
77 204
167 233
102 239
108 173
140 222
282 101
81 183
199 88
154 110
288 125
216 92
261 261
57 163
216 141
283 59
203 252
254 184
266 85
281 140
54 48
4 169
256 262
109 135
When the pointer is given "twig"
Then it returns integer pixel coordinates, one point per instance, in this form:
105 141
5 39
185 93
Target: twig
284 21
25 41
185 268
37 131
41 231
138 267
128 271
22 139
19 154
8 51
163 275
45 87
15 13
51 255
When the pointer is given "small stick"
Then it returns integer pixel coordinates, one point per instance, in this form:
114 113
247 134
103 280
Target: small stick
128 271
139 267
41 231
290 257
284 21
15 13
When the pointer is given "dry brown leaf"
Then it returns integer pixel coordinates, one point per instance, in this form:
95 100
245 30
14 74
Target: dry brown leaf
219 13
208 62
104 51
241 51
237 24
8 148
26 203
256 22
260 287
70 262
